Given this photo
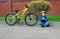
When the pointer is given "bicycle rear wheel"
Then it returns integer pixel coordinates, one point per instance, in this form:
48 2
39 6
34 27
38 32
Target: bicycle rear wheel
10 19
31 19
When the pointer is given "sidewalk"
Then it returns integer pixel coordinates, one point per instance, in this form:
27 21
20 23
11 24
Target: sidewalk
25 32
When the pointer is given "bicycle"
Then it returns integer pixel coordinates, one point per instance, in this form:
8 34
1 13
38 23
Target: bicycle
13 18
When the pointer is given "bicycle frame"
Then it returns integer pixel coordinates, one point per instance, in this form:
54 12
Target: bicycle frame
23 16
21 13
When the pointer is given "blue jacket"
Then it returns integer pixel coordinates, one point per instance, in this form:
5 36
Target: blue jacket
43 21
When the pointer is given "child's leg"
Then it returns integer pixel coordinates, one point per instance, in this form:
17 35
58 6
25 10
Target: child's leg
42 24
47 24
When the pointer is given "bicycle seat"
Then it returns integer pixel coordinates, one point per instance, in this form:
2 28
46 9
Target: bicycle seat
16 10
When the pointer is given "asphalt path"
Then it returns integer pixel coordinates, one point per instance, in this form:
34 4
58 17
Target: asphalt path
22 31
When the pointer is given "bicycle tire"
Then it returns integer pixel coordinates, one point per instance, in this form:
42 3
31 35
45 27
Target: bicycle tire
26 20
7 19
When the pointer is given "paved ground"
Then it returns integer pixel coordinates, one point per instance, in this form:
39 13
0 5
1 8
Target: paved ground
26 32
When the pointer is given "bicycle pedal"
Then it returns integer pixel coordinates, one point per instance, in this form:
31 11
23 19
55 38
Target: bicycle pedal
18 20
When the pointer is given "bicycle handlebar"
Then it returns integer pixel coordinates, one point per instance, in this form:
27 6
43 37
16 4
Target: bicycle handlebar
26 6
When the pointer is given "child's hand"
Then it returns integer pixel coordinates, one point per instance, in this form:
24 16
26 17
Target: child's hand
43 18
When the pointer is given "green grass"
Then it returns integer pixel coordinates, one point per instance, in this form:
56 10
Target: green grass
51 18
54 18
2 18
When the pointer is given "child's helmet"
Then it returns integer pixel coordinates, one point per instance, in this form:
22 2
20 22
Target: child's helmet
42 12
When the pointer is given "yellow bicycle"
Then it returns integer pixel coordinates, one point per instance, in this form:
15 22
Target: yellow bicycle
29 18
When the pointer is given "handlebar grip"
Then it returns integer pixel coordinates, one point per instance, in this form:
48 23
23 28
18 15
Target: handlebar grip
26 6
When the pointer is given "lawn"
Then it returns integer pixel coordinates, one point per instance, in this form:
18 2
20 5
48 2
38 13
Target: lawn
54 18
2 18
51 18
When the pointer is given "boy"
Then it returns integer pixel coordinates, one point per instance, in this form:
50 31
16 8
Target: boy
44 20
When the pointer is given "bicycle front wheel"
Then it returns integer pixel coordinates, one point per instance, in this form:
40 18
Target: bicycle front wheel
31 19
